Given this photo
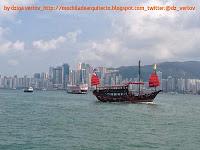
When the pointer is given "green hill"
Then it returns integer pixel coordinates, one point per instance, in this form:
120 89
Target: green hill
188 69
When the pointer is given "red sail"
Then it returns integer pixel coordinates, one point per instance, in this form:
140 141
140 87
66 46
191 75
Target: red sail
95 80
154 80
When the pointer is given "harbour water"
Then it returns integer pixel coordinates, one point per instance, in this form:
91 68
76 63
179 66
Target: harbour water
55 120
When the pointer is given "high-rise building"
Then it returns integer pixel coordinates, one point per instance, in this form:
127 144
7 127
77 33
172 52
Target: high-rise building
14 85
159 73
83 76
57 77
36 75
164 85
192 86
198 86
26 82
44 76
73 77
20 83
181 85
84 72
51 73
170 84
112 77
89 72
1 82
65 74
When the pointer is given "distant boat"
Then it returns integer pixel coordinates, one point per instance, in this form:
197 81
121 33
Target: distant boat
122 93
30 89
77 89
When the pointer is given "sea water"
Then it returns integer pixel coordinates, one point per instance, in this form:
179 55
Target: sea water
55 120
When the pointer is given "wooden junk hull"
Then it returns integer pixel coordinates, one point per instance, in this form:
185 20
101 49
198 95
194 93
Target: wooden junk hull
148 97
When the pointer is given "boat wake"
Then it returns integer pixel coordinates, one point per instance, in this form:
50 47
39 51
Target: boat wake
148 103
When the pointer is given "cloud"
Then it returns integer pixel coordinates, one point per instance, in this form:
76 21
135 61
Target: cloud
18 45
52 44
11 46
150 36
101 51
48 45
6 45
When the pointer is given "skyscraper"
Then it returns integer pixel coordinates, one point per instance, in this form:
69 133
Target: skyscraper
73 77
57 77
83 76
170 84
65 74
159 73
44 76
83 73
36 75
50 73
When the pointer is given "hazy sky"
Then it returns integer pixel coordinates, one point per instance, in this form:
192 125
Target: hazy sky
32 41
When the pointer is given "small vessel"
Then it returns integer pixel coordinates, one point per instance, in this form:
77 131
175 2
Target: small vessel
30 89
123 93
77 89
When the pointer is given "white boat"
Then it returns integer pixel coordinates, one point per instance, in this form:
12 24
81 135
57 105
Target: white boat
30 89
77 89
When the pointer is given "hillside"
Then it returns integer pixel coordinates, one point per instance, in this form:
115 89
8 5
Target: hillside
189 69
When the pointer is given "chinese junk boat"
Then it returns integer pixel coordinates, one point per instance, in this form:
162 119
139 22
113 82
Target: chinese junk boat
122 93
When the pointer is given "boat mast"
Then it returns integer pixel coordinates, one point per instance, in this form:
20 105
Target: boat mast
139 75
154 68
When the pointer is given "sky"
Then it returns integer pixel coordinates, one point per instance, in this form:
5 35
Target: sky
33 41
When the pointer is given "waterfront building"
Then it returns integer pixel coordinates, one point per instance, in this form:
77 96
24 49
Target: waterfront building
51 73
164 85
1 82
57 77
159 74
36 75
73 77
170 84
14 82
83 73
43 76
181 85
65 75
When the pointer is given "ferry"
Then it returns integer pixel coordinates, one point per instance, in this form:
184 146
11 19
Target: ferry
30 89
77 89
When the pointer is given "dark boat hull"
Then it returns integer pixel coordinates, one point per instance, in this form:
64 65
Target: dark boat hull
126 98
77 92
27 91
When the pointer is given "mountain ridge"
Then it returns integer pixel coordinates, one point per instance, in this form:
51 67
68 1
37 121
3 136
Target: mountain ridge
185 69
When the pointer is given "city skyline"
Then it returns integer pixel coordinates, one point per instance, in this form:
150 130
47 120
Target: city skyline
77 66
58 77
